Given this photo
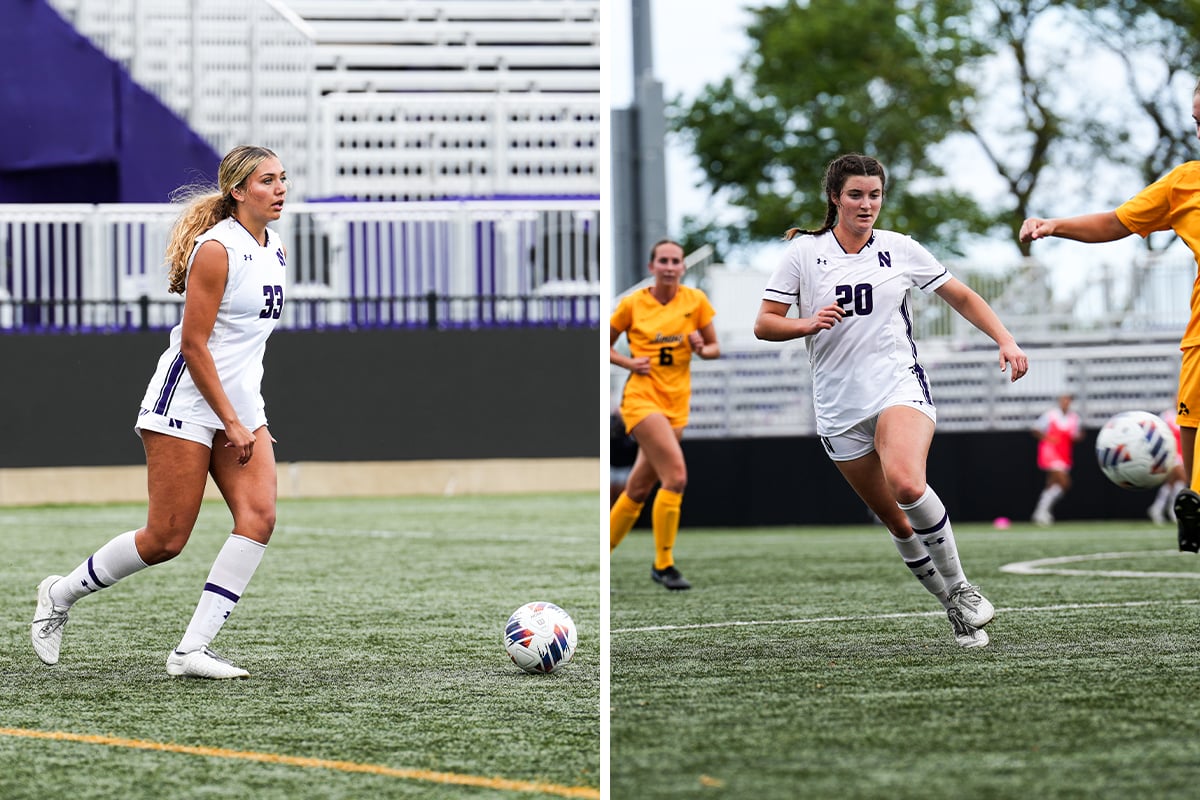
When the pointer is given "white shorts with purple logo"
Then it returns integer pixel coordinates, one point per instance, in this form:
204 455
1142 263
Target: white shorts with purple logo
858 440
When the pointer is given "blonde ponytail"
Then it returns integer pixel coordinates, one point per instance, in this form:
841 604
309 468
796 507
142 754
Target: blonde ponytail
205 206
203 210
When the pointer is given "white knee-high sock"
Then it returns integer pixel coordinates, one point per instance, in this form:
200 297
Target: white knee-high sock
227 580
931 523
116 559
917 559
1048 498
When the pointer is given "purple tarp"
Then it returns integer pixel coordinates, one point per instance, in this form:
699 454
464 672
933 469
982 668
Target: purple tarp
74 127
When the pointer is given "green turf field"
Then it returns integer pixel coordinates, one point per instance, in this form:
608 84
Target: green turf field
372 632
809 663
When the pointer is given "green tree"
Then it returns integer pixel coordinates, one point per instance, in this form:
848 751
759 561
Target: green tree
905 79
1156 41
828 77
1054 123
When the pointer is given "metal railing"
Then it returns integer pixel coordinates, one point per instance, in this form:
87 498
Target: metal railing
76 268
764 391
434 311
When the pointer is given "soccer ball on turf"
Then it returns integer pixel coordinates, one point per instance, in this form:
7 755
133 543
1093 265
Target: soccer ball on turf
540 637
1136 450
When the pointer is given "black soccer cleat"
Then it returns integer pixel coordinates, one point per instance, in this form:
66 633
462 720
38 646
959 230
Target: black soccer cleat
670 578
1187 515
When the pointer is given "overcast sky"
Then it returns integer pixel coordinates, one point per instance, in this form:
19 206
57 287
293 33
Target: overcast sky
694 44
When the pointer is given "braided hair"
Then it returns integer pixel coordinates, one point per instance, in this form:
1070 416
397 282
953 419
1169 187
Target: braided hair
836 173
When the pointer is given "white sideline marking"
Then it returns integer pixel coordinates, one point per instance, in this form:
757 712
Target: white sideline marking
905 615
426 534
1045 566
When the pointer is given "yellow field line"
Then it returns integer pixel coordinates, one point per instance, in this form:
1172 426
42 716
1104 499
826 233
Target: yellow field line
429 776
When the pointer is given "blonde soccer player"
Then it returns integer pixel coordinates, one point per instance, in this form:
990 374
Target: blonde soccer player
202 413
665 324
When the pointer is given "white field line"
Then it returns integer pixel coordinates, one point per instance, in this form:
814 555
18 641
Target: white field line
1041 566
905 615
456 536
1046 566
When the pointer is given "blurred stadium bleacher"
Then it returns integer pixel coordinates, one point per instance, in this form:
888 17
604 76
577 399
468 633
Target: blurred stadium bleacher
1113 344
377 99
454 145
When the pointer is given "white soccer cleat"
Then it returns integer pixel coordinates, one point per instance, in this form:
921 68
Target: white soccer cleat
203 663
975 608
48 623
966 635
1043 519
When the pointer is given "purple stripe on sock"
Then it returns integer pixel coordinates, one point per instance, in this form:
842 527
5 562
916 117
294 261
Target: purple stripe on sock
221 590
92 572
941 523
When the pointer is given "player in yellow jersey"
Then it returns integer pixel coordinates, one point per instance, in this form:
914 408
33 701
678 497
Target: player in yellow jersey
1170 203
664 324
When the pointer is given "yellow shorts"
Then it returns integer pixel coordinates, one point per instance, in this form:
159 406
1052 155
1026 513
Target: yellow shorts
1188 410
636 407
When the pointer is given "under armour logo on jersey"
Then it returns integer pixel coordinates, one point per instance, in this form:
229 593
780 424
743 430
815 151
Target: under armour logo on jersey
1183 409
885 259
247 257
822 260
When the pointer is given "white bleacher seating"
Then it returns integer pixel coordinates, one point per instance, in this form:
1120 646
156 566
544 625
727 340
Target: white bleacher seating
377 99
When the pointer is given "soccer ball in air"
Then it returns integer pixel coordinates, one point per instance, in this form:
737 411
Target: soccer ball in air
540 637
1136 450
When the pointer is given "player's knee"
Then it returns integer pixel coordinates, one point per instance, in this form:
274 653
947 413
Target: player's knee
675 482
258 524
638 489
907 490
156 549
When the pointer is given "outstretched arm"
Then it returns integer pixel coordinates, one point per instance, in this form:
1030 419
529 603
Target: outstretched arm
1102 227
975 310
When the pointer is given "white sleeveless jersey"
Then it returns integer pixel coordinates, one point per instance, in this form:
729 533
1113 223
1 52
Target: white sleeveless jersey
869 358
249 310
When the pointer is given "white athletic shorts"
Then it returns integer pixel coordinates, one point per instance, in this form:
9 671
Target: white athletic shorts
180 429
859 440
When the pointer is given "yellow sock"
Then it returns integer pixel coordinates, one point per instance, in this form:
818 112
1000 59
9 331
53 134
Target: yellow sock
621 518
665 515
1195 483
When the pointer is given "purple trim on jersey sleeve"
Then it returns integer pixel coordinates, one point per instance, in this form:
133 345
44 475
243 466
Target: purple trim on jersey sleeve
169 385
939 276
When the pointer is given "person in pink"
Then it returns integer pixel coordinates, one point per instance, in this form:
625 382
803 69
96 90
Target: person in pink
1057 431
